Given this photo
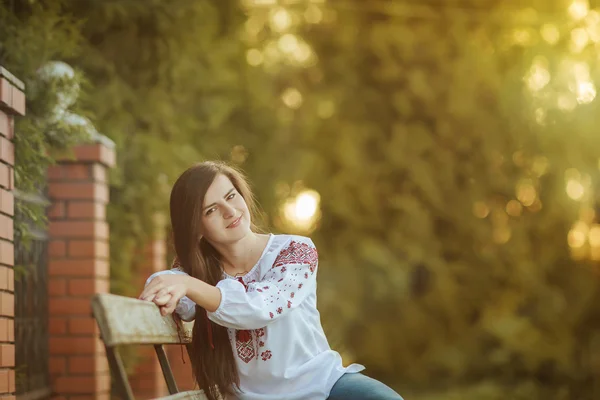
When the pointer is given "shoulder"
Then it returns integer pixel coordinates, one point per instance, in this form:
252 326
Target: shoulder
283 242
294 249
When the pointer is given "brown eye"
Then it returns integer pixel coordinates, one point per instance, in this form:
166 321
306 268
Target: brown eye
231 196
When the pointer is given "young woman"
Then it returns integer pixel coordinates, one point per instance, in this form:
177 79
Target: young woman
257 332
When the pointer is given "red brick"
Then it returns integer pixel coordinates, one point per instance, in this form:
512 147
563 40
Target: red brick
72 345
69 306
11 330
18 101
80 268
7 253
102 285
87 210
105 395
75 384
78 326
55 172
145 384
99 173
6 227
7 278
57 248
4 385
102 364
69 172
88 287
82 365
7 355
57 210
97 153
57 287
103 382
11 279
7 304
7 202
78 191
5 176
57 325
100 349
57 365
11 381
11 178
4 330
78 171
7 151
4 278
89 248
6 93
5 125
78 229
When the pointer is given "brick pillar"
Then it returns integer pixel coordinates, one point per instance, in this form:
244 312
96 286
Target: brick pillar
78 268
12 103
147 381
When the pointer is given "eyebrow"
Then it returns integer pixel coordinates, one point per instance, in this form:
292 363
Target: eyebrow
214 204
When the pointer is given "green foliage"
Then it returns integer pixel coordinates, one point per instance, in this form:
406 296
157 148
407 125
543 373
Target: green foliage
445 216
458 237
164 77
34 34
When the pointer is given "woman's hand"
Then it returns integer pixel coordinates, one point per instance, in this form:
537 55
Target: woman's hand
165 291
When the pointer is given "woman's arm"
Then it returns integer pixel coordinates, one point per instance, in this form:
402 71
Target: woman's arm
291 279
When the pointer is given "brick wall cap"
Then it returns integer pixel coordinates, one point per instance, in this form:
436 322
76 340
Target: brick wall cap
103 140
4 73
101 151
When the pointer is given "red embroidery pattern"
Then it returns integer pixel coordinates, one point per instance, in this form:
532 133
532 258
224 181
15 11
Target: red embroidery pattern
247 344
244 346
250 344
297 253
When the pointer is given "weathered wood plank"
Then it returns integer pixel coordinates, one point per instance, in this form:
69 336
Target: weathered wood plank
124 320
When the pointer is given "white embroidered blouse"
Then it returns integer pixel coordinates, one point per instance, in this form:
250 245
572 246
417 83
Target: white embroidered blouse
274 327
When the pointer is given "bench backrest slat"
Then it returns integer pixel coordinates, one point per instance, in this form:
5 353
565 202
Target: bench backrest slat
124 320
128 321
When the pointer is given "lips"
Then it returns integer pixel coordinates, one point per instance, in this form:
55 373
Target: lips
235 223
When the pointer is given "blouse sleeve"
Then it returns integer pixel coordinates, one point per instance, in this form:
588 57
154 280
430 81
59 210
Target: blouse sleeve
186 308
289 281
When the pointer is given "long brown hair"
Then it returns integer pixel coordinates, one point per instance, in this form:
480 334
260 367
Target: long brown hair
212 357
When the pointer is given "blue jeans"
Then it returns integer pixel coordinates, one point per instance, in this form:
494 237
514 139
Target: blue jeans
360 387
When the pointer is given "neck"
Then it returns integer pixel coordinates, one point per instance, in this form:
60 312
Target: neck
239 257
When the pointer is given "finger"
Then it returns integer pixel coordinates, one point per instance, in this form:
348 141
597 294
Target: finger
162 301
150 292
155 283
169 308
165 291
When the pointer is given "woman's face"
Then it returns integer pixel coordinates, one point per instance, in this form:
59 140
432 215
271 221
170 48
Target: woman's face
225 215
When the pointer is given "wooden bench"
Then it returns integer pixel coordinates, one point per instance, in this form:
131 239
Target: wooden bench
127 321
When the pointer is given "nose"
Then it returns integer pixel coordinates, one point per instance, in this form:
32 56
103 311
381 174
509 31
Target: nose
228 211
